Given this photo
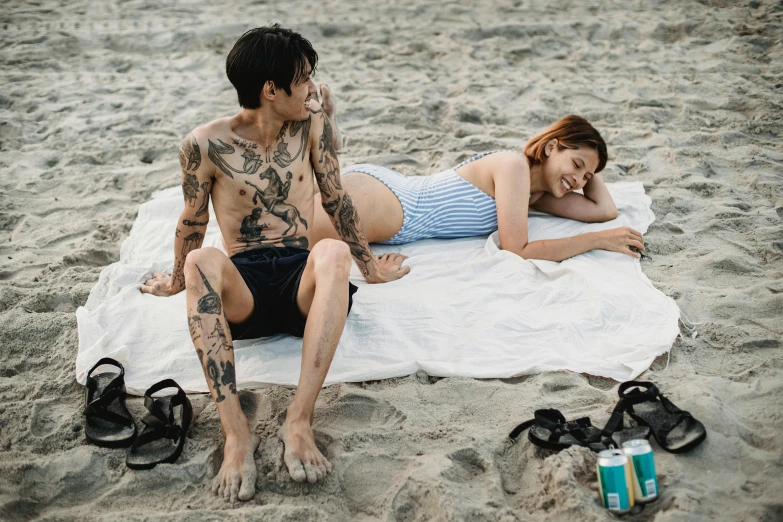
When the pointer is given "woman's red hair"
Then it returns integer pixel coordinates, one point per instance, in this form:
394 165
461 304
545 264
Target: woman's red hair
571 132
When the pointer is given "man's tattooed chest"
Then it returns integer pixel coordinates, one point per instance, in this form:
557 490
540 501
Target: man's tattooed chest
265 177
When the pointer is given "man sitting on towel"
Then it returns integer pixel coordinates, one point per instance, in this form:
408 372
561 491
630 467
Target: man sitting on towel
257 166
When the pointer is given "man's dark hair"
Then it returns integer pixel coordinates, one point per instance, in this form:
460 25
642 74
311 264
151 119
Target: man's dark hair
264 54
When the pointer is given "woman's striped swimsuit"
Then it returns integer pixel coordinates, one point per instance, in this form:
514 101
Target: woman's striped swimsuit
443 205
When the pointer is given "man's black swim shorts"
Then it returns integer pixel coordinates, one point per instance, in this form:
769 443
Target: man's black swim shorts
272 275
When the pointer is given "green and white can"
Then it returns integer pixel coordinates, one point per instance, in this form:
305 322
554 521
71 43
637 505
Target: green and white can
615 484
645 480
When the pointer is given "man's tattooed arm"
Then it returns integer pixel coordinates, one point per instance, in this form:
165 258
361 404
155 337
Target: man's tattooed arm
196 188
337 203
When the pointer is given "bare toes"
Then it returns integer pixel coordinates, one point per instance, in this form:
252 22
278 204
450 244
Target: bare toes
247 489
235 488
312 476
295 469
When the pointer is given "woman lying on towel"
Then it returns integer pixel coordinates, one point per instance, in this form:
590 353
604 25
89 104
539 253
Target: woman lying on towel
493 191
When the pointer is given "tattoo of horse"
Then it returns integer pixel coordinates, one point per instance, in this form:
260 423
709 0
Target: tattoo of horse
273 197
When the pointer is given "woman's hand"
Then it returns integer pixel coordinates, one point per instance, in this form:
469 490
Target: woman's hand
622 239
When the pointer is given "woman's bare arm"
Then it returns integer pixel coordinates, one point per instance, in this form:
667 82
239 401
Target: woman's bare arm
596 206
511 177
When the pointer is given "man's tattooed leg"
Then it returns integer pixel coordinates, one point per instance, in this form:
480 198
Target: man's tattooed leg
211 337
210 303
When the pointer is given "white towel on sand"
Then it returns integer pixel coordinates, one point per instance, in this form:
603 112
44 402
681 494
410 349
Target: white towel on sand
466 309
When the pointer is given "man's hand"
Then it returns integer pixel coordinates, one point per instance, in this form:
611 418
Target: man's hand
160 284
390 268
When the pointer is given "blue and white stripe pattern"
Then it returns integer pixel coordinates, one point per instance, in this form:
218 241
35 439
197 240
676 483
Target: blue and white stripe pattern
443 205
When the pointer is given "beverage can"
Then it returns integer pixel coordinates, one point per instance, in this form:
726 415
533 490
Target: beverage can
645 480
615 485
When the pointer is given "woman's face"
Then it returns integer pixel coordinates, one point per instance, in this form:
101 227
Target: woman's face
567 170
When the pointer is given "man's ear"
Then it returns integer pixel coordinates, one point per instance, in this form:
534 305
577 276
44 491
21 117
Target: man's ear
269 91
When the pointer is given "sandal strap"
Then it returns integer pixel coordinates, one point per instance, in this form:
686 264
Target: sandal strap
669 425
158 424
114 390
635 396
549 419
615 421
516 432
554 421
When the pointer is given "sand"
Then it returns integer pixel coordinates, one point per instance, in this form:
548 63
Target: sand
95 97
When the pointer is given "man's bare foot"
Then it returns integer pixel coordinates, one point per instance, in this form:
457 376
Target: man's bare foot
301 456
329 106
237 476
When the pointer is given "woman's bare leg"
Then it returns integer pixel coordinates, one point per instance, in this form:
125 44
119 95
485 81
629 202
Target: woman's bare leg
380 212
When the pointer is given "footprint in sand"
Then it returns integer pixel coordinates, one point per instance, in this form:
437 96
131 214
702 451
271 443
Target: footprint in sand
359 413
466 465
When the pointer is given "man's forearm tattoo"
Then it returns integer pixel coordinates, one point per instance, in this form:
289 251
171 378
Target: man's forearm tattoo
331 206
349 219
337 203
189 153
189 223
190 243
330 180
210 303
362 256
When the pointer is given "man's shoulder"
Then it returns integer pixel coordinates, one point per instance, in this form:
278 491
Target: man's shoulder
214 130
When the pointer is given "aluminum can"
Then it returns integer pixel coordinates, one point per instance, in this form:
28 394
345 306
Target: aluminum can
645 480
615 485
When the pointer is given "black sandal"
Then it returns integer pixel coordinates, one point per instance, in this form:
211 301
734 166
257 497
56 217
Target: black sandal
166 426
108 422
550 430
675 430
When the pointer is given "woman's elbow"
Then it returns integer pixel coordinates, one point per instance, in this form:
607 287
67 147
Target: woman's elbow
604 215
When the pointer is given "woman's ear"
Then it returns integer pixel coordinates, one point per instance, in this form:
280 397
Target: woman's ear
550 146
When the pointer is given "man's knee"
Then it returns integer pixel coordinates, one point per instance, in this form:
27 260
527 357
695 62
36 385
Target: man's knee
203 263
331 258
